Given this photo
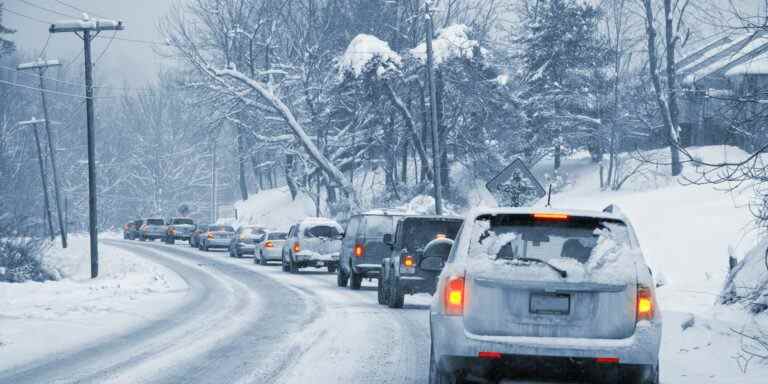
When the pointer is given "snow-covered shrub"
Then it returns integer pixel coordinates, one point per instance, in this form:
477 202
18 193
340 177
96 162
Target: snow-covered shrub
20 254
747 283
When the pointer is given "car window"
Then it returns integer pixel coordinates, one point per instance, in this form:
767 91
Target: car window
378 225
326 231
277 236
414 234
155 222
353 226
183 221
517 236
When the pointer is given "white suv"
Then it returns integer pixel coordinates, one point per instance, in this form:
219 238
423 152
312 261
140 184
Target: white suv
313 242
549 295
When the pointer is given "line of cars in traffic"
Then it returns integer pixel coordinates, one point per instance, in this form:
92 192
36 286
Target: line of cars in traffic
517 292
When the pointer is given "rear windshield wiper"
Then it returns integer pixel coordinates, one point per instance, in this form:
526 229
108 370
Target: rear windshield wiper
561 272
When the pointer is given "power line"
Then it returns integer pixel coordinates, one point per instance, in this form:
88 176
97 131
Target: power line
114 34
45 47
26 16
75 8
47 9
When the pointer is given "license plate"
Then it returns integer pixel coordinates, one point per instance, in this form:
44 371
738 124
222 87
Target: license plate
550 304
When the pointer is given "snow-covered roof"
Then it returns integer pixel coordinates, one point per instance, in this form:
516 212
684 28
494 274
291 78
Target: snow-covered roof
362 50
451 42
312 221
755 66
722 56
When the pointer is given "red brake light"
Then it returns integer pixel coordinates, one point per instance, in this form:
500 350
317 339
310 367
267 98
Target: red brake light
454 296
359 250
550 216
489 355
645 310
210 235
296 247
607 360
408 261
268 244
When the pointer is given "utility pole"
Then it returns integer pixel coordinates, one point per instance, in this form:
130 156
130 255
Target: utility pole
433 110
33 123
41 65
87 29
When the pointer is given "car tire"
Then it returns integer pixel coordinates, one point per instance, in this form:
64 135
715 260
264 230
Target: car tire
205 247
285 265
395 297
292 267
380 296
341 278
355 280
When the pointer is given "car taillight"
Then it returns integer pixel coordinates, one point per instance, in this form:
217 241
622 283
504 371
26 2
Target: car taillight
454 296
210 236
359 250
645 304
296 248
173 231
409 261
268 244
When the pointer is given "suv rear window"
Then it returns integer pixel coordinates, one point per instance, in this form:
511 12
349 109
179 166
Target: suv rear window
415 233
277 236
379 225
183 221
221 228
520 236
326 231
155 222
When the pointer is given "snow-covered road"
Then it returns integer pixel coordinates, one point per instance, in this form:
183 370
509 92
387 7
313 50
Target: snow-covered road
242 323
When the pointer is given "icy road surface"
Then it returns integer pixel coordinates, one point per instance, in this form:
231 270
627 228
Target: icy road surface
243 323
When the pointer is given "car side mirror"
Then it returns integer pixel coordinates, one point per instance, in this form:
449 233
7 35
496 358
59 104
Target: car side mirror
340 236
388 239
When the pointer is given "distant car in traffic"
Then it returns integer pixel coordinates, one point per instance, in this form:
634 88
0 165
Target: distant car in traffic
313 242
363 246
271 248
545 295
246 238
152 229
405 271
216 236
200 230
179 228
130 230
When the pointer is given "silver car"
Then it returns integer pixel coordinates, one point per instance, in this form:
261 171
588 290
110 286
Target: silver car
545 295
314 242
217 236
271 248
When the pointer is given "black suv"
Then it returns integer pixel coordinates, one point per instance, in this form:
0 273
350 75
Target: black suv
403 271
363 247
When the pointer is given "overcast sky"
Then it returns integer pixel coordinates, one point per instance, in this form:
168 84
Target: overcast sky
124 62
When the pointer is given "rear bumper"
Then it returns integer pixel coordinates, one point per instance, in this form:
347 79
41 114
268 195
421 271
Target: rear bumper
248 249
216 243
367 270
316 257
412 284
452 344
274 254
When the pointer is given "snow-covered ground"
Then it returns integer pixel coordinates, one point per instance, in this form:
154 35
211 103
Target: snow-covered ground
685 232
43 320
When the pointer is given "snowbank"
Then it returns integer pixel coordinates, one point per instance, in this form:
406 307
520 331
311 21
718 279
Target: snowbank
274 209
40 319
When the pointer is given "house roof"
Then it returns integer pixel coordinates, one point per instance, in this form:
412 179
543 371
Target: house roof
726 56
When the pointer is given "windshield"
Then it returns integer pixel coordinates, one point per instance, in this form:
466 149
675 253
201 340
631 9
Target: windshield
518 236
414 234
155 222
277 236
183 221
326 231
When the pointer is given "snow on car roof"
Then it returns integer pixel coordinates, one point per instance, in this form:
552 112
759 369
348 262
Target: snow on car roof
310 221
531 210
